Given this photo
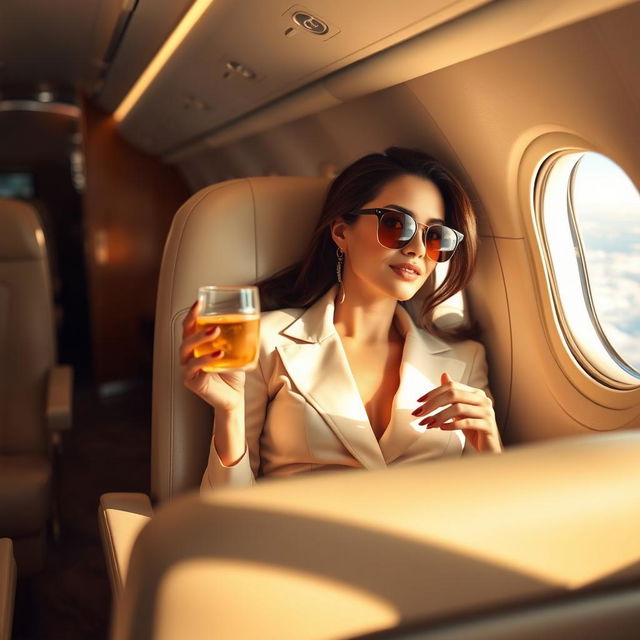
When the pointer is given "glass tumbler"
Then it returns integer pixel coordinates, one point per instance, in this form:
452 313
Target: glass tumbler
236 311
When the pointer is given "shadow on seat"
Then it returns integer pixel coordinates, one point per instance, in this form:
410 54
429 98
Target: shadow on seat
35 393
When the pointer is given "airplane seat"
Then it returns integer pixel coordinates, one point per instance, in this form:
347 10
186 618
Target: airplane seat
35 393
7 587
539 542
46 219
234 232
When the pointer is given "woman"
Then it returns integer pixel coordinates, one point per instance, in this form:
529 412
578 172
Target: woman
345 379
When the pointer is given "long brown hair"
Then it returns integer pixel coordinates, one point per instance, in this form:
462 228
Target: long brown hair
303 283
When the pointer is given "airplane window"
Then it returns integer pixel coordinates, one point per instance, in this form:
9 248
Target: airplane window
590 225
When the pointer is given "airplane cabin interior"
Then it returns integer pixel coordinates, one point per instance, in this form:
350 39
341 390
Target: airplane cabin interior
150 148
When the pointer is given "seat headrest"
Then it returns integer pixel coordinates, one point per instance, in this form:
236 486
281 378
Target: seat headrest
21 235
239 231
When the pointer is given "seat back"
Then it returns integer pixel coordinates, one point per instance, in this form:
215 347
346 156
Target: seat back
234 232
541 541
27 343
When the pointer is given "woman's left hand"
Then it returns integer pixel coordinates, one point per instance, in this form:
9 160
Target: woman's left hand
470 411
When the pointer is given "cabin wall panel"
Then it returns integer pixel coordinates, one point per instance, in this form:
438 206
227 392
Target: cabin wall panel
489 307
336 136
544 403
129 203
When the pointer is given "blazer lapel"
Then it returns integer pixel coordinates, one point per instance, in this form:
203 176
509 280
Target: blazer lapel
424 358
318 366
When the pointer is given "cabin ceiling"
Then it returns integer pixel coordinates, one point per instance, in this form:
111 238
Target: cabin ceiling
66 47
195 92
51 45
53 42
101 47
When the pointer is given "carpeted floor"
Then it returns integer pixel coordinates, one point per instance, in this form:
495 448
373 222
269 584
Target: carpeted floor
107 450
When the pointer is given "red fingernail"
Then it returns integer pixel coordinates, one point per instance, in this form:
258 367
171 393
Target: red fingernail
416 412
422 398
210 330
216 354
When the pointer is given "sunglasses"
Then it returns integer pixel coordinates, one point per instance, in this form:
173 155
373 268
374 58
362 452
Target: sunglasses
396 229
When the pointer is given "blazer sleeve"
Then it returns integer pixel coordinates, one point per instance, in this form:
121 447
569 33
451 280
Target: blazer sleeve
479 379
244 472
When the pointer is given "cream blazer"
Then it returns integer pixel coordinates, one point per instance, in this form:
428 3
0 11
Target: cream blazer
304 412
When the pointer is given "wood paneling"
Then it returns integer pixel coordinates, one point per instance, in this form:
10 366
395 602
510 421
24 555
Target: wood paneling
129 202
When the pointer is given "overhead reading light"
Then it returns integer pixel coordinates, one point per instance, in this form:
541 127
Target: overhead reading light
44 94
166 51
310 23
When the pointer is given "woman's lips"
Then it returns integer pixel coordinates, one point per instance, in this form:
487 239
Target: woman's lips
405 272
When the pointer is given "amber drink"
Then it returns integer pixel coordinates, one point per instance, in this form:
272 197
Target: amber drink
236 311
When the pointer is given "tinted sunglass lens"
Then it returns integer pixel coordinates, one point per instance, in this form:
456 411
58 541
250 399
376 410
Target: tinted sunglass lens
441 242
395 229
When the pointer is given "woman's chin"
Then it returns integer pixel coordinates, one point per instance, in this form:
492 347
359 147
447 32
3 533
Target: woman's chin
406 291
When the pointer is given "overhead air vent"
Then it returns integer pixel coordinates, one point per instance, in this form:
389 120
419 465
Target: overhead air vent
231 66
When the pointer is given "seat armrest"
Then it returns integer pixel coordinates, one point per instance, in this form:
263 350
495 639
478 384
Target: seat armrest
59 396
7 587
121 516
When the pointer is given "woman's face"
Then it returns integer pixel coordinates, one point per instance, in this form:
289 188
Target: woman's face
377 270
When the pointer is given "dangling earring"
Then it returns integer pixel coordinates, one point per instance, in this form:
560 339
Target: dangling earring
340 256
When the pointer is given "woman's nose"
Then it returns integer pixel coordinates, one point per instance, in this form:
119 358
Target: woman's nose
416 245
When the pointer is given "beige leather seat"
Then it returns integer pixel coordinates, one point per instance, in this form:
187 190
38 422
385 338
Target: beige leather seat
233 232
540 542
7 587
35 394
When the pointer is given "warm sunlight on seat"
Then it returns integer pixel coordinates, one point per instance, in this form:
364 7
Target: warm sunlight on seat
304 602
540 512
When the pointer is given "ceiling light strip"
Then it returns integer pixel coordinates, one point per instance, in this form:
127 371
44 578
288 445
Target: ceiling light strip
166 51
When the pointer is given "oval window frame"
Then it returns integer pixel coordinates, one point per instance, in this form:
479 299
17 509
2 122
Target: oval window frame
575 365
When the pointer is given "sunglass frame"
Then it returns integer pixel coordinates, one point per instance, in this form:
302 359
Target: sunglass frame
379 212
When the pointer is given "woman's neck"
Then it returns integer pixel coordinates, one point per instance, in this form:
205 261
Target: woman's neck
367 321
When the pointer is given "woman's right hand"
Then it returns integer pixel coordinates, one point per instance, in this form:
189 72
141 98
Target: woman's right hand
223 391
